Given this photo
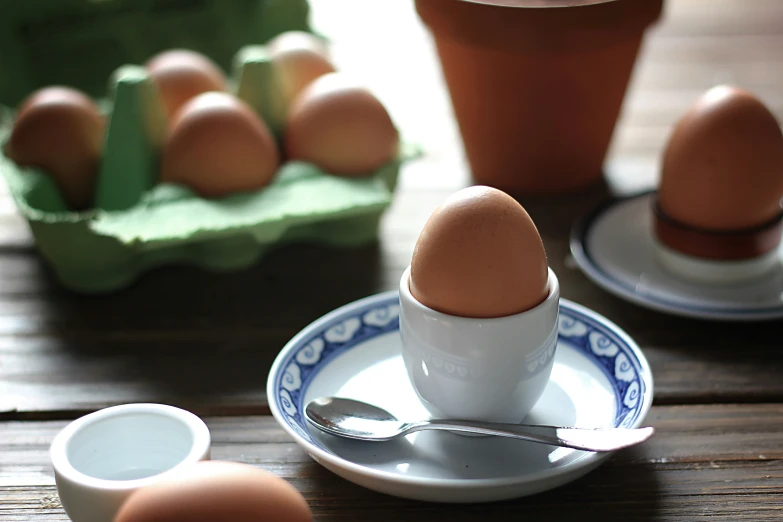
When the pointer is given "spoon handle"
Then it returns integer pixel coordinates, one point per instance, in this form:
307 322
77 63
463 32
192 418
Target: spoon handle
606 439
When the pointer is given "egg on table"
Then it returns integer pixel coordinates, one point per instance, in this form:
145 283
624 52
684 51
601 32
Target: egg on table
181 74
217 145
722 174
217 491
340 126
60 130
479 255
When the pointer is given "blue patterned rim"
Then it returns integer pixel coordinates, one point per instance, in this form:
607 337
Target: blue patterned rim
586 262
316 346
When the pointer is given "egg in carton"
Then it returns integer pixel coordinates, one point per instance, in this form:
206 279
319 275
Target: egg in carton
186 165
717 213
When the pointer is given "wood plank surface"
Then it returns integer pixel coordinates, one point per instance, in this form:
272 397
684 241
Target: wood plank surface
704 462
166 340
206 342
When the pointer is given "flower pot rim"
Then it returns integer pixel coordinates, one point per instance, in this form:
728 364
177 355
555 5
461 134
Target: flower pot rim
539 4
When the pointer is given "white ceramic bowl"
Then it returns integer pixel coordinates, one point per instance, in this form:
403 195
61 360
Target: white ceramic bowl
480 369
716 272
103 457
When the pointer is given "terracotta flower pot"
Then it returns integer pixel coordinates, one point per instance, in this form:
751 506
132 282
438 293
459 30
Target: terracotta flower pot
537 85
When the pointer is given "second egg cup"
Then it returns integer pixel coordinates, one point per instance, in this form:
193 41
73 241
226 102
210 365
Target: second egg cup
716 257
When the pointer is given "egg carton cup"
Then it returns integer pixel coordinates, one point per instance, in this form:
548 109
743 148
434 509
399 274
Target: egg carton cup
101 251
138 223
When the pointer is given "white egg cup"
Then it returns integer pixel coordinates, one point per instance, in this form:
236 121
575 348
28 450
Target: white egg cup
492 370
103 457
712 271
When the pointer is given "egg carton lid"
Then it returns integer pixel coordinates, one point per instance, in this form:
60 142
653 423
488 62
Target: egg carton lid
80 43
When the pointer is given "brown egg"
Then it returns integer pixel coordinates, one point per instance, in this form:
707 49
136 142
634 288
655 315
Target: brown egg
181 74
218 146
217 491
479 255
298 58
341 127
723 164
60 131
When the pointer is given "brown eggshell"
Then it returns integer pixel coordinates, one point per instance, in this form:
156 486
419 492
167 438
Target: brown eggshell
298 58
60 131
341 127
723 164
479 255
218 146
217 491
181 74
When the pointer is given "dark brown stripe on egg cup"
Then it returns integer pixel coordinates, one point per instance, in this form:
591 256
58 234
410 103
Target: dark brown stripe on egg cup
723 245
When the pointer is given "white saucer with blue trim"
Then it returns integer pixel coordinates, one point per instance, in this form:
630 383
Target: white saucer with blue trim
614 247
600 379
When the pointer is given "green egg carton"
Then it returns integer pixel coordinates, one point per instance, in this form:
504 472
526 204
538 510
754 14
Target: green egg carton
100 251
137 223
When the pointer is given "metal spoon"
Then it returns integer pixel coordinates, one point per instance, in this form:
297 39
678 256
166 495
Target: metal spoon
359 420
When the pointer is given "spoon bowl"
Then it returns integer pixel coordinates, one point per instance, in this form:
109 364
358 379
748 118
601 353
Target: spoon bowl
354 419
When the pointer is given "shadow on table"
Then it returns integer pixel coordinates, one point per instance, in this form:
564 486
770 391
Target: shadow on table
619 490
187 337
205 341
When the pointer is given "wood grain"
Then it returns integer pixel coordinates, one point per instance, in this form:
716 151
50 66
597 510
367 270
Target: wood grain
167 340
205 342
722 462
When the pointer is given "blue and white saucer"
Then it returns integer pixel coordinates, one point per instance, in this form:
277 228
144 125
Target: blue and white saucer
614 247
600 379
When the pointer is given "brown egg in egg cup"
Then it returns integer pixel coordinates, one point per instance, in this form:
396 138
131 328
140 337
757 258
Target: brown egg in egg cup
716 256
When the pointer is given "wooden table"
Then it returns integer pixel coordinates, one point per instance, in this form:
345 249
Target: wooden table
205 342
